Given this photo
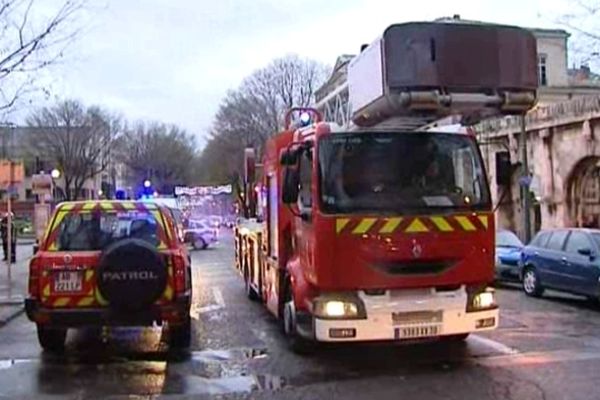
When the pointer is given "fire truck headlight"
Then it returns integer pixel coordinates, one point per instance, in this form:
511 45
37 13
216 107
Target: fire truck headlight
337 309
484 300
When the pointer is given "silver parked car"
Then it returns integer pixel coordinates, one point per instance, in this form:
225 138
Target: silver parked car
200 235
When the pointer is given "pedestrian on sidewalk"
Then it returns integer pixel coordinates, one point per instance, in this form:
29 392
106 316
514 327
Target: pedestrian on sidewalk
13 238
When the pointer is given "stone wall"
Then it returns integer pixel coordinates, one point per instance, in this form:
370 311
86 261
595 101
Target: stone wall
561 140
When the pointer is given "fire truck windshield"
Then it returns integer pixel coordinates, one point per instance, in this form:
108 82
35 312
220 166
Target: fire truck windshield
401 172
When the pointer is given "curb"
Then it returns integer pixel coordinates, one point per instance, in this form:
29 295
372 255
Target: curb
19 311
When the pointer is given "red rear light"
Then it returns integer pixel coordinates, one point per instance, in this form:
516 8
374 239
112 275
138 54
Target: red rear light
34 277
179 272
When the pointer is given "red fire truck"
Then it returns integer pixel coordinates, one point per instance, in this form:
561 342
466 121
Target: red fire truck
383 229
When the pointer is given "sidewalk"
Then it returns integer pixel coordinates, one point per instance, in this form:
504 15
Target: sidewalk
12 296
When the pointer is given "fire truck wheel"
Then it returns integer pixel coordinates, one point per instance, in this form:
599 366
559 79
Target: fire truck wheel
296 343
51 339
180 336
250 292
132 275
531 282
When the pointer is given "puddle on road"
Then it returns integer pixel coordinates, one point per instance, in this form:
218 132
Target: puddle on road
234 384
225 371
230 355
6 364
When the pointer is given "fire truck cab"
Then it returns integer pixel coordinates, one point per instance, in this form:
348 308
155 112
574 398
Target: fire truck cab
383 230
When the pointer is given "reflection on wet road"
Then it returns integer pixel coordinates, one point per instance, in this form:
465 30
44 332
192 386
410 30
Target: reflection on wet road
545 348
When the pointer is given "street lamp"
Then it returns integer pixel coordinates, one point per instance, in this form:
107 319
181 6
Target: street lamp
55 173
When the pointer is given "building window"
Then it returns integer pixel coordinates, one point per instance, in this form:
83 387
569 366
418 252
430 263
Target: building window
542 70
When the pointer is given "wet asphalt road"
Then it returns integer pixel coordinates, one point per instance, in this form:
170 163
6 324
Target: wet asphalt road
545 349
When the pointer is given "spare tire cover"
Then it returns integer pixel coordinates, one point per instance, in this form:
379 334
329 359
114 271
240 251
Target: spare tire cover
132 274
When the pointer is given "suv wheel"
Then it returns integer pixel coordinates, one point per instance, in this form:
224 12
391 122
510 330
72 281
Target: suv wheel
531 283
51 339
180 336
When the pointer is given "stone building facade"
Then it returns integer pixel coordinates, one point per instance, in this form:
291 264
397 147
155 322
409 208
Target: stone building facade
563 145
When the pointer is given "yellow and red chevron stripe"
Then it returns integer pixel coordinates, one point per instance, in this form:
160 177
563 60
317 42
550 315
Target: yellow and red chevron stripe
413 225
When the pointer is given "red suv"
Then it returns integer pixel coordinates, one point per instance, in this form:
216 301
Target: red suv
110 263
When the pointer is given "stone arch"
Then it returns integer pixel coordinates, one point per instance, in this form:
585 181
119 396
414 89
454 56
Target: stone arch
583 193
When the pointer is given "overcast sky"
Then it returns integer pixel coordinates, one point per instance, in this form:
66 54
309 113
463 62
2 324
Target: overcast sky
173 60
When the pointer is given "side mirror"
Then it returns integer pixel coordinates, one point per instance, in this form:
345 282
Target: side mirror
290 189
585 251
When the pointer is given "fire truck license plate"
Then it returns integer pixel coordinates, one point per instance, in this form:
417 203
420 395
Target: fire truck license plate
68 281
414 332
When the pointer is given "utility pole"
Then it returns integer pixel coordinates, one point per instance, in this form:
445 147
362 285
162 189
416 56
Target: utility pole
526 181
9 220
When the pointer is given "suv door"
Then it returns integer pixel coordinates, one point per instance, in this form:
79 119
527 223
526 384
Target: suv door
582 270
551 265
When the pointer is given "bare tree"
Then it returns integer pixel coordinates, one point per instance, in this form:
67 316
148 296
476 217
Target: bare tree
248 116
165 154
78 141
31 41
583 22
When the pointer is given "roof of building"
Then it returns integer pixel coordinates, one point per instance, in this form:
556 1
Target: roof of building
583 76
339 69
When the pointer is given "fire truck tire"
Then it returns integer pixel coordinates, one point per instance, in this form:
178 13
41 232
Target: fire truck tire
296 343
531 282
250 291
180 336
132 275
51 339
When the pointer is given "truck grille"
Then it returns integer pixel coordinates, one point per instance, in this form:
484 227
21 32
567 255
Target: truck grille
414 267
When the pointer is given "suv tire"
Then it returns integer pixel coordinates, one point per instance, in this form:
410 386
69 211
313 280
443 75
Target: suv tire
180 336
51 339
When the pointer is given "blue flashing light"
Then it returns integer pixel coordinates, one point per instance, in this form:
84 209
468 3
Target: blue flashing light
147 183
305 119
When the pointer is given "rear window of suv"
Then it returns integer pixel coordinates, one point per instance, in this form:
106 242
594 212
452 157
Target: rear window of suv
90 231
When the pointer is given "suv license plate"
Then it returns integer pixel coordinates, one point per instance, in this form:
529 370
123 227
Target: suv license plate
68 281
414 332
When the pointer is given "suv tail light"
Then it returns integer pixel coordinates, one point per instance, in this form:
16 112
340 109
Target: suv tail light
179 272
34 278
